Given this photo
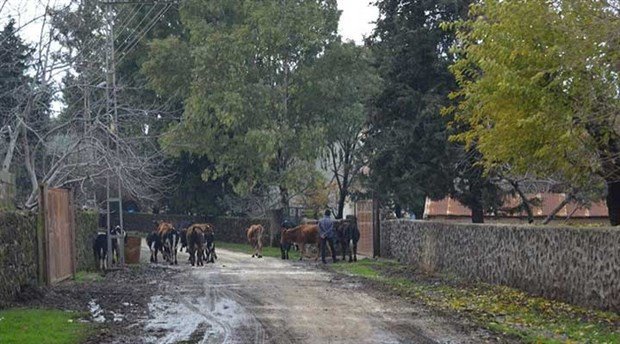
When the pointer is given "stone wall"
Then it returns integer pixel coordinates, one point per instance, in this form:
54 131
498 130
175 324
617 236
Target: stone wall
7 191
576 265
85 231
18 254
227 229
143 222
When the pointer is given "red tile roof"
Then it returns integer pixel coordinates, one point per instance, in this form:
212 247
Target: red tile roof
549 201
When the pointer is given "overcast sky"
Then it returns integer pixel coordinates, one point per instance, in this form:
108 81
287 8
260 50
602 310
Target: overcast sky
356 21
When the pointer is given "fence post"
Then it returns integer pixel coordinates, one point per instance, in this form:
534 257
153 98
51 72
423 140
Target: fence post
376 228
72 214
41 237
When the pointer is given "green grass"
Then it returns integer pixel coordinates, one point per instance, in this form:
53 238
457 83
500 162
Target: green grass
246 248
22 326
500 309
87 277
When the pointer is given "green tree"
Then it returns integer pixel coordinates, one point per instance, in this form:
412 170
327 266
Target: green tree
15 59
539 89
343 82
410 156
242 105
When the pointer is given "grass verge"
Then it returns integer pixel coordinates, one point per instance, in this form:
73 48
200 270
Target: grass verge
23 325
87 277
246 248
498 308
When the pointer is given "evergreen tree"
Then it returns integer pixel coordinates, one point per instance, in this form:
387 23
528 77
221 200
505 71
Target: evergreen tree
410 156
15 59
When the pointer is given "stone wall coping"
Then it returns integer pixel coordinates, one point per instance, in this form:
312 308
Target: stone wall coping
510 225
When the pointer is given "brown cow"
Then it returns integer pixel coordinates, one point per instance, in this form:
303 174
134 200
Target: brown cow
169 238
301 235
255 238
196 238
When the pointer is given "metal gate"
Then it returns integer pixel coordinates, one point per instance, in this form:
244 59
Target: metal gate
368 224
57 235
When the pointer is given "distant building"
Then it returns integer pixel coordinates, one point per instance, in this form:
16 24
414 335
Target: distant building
449 209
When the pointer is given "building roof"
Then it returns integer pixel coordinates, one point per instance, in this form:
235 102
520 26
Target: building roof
449 207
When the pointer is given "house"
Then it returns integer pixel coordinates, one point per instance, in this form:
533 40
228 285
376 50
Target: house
449 209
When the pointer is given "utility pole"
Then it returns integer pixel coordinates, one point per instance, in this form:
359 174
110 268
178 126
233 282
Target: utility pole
113 129
112 112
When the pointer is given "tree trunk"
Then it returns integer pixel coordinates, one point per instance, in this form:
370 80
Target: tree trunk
8 158
341 199
477 212
284 200
613 202
398 210
524 201
557 209
275 221
477 205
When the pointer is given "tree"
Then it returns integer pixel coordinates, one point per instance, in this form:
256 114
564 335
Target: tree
409 154
242 109
539 90
15 59
343 83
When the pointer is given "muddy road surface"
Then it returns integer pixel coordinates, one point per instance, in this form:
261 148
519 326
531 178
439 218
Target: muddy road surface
240 299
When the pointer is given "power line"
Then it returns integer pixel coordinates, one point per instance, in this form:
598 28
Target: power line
144 32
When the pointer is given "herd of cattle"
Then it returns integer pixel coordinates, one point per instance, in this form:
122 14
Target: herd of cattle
347 236
199 241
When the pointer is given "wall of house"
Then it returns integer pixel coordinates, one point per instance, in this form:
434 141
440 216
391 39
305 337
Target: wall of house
576 265
18 254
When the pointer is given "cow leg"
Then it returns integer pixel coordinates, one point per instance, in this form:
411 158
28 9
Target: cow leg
259 249
350 245
302 249
343 247
354 251
199 254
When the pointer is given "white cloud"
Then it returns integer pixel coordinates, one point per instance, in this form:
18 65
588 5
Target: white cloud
357 19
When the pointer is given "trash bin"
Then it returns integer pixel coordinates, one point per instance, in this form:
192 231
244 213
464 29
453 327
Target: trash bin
132 250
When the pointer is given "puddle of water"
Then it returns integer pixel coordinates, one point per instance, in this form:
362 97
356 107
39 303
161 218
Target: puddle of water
171 321
96 312
117 317
176 321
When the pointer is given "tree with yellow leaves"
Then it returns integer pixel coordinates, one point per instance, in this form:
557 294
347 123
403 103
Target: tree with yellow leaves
539 89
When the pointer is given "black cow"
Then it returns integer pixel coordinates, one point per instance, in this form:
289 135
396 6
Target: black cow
182 227
285 247
155 245
100 247
170 242
209 247
347 234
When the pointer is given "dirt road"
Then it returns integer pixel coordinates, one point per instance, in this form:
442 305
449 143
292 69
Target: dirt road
247 300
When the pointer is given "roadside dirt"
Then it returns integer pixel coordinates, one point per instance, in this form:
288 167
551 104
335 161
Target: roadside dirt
240 299
247 300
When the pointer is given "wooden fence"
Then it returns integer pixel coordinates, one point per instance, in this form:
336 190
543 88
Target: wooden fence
56 235
368 224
